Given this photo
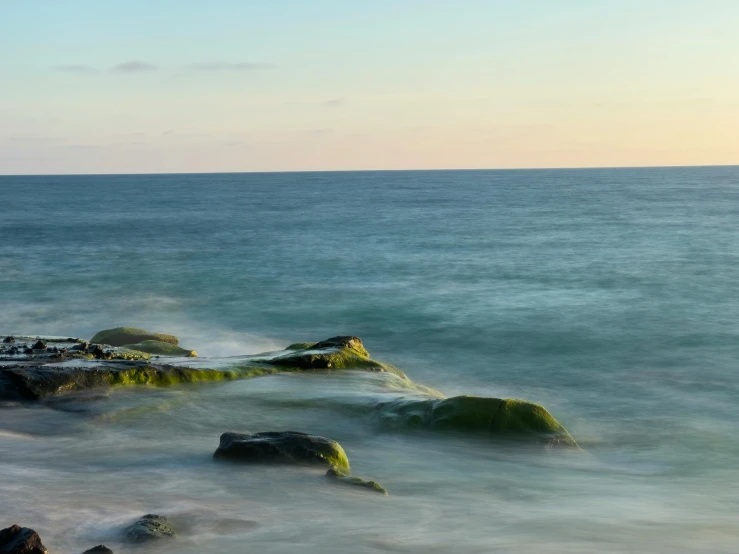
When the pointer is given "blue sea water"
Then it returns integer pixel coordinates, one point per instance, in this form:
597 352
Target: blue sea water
611 296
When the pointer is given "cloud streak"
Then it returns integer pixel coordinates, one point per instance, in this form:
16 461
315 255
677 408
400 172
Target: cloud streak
133 67
224 66
329 103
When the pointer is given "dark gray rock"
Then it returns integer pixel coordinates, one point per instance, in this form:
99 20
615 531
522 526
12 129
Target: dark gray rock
99 549
149 527
282 447
20 540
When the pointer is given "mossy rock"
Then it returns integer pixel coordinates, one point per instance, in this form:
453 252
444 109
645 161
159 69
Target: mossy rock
339 476
345 352
300 345
161 348
477 414
282 447
121 336
149 527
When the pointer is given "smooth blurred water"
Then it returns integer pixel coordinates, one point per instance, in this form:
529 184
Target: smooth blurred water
610 296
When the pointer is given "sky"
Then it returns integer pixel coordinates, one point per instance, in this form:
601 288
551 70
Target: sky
150 86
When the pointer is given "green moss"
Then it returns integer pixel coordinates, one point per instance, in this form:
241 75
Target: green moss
130 335
520 416
476 414
472 413
161 348
300 346
164 376
336 456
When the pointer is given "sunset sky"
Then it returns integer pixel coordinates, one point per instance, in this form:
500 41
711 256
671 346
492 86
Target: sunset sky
141 86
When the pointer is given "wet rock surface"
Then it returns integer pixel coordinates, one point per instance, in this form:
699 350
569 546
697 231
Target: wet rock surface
499 416
161 348
20 540
39 350
149 527
130 335
342 352
336 475
282 447
69 365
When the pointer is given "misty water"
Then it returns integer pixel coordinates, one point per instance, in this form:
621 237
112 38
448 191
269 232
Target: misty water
608 296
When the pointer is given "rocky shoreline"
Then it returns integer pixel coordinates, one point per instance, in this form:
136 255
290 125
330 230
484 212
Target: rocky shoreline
36 368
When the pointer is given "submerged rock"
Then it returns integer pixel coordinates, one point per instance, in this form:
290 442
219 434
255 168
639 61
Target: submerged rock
474 413
130 335
341 477
20 540
161 348
99 549
283 447
149 527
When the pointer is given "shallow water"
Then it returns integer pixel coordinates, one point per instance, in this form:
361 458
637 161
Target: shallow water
609 296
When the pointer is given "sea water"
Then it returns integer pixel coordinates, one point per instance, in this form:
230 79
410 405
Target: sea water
610 296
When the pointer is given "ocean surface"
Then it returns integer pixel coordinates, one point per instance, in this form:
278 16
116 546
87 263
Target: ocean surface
610 296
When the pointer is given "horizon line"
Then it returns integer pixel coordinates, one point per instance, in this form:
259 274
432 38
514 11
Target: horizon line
416 170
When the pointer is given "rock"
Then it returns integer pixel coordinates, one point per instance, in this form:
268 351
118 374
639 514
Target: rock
345 352
284 447
39 345
161 348
99 549
130 335
80 346
300 345
343 478
474 413
20 540
9 339
149 527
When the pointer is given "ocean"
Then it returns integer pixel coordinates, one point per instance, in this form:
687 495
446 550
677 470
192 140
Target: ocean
610 296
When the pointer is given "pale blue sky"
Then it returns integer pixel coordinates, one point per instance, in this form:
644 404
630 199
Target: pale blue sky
151 86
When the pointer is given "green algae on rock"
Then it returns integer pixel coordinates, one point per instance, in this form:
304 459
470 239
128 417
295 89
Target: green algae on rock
339 476
149 527
27 382
472 413
52 371
121 336
300 345
282 447
345 352
161 348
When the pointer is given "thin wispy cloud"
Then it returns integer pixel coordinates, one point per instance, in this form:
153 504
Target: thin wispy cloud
79 69
330 102
225 66
133 67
